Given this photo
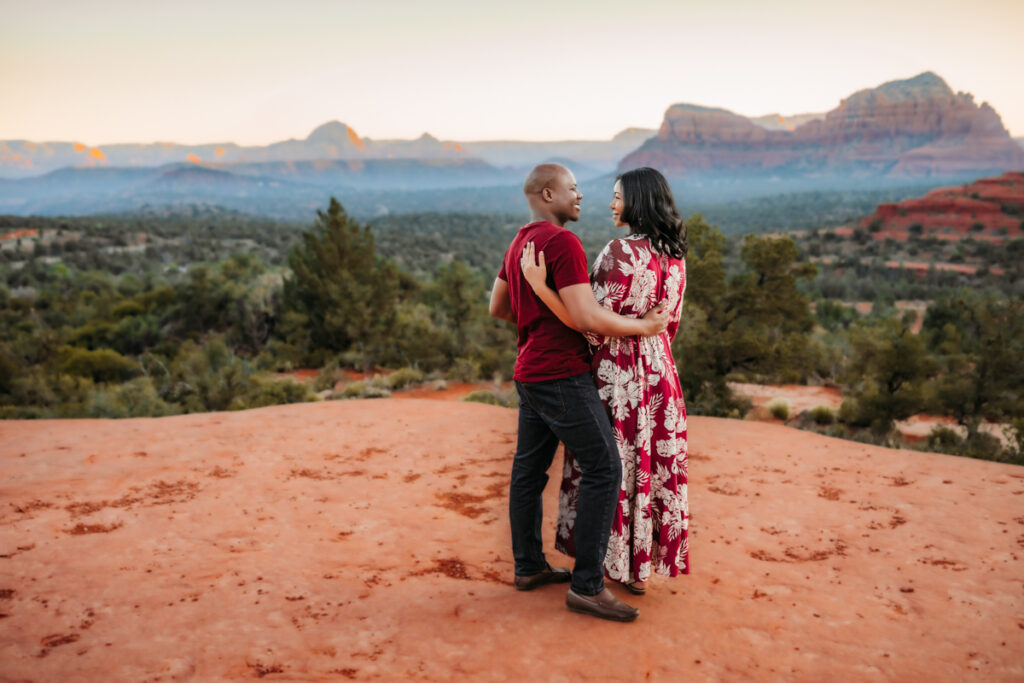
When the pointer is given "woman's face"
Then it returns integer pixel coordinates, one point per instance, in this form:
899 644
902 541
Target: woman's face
618 205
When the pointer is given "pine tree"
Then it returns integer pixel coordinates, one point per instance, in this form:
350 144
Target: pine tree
347 294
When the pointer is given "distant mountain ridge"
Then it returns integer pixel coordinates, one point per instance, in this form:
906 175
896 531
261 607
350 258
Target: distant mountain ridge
913 127
913 132
274 188
917 127
331 141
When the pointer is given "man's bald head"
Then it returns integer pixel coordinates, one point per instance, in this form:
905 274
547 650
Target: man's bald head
552 194
544 175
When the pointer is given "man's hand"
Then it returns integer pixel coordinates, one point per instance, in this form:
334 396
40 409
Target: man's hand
656 320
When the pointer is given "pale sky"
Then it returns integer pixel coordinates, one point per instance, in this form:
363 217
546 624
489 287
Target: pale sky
254 72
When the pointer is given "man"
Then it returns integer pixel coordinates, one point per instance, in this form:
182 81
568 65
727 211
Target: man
558 400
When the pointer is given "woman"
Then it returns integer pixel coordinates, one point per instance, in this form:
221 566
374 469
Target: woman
637 381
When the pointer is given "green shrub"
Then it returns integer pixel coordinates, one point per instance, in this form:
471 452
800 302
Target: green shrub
37 388
26 413
402 377
9 369
944 439
983 446
365 389
464 370
94 334
273 393
280 356
328 377
822 415
504 399
126 308
210 377
779 408
102 365
137 398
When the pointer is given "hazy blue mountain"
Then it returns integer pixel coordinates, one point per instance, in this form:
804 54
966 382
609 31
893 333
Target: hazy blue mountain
332 141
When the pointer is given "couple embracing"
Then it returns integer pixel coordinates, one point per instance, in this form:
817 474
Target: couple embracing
594 370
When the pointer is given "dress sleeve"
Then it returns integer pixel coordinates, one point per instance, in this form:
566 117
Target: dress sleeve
675 286
624 280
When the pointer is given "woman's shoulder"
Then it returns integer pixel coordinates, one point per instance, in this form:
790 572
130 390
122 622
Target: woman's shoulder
629 244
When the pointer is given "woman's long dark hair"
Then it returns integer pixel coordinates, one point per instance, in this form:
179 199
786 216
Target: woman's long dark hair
650 210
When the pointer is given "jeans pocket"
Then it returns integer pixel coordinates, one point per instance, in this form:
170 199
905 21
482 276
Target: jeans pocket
545 398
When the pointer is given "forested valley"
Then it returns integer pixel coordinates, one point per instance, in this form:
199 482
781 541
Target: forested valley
160 313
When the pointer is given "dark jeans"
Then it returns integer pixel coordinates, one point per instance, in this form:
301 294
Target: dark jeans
567 410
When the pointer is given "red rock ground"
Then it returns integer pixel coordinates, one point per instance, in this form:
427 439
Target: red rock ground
368 540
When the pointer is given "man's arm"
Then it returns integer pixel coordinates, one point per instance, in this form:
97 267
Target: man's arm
501 304
588 315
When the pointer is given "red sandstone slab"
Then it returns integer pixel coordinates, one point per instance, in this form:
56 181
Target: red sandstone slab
368 540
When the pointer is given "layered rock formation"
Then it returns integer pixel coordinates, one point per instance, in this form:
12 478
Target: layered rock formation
915 127
989 209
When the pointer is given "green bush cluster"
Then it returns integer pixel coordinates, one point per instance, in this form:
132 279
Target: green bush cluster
494 397
779 408
373 388
822 415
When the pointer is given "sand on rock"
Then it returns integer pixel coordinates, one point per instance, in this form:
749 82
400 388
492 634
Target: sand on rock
368 540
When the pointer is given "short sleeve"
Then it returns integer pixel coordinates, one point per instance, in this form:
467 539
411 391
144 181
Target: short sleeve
502 275
567 262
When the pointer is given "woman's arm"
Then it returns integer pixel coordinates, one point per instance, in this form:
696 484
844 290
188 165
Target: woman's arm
536 275
580 310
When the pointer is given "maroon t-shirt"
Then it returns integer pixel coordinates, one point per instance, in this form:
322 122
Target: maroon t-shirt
547 348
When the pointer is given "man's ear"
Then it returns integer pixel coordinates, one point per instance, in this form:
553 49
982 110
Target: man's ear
547 194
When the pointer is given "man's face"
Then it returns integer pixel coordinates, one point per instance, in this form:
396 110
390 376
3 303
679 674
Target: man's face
565 197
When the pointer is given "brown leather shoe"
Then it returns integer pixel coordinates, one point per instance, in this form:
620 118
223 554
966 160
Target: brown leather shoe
549 575
604 605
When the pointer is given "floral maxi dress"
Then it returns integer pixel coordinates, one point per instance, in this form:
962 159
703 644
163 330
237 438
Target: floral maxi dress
636 378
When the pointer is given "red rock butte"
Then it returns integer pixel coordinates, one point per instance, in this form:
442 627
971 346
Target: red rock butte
368 540
916 127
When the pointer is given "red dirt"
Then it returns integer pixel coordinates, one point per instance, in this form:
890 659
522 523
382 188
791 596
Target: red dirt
813 558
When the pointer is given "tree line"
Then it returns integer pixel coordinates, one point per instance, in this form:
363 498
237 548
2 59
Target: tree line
84 342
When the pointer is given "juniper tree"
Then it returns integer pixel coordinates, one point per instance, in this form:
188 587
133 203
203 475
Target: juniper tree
346 293
980 343
757 322
886 374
